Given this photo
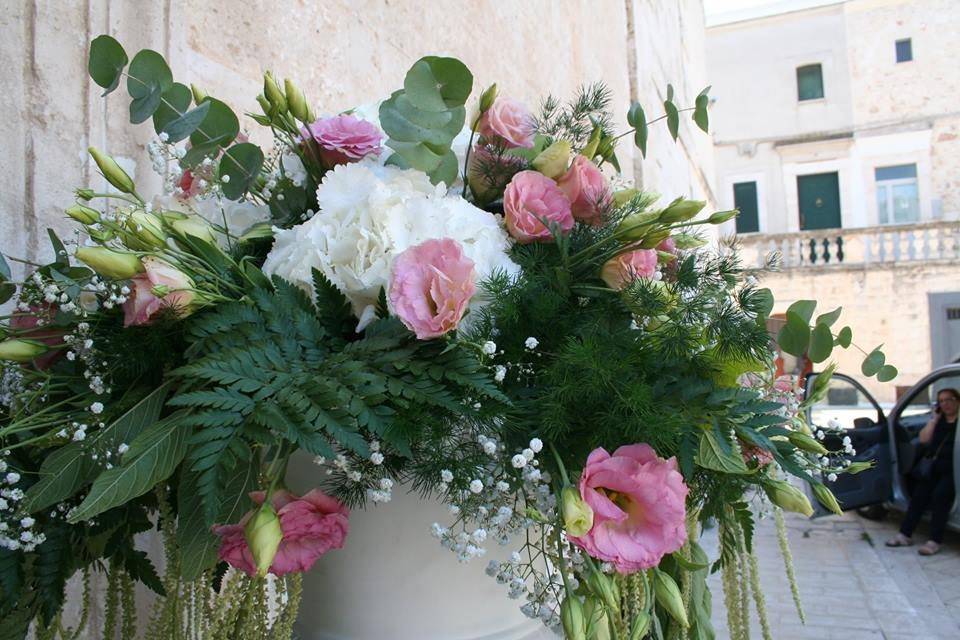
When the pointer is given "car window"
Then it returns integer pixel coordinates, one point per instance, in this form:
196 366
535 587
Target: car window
917 410
843 406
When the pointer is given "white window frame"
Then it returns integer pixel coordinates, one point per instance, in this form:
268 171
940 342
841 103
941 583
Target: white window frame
888 186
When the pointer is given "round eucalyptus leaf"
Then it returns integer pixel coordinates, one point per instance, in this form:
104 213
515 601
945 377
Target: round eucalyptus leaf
821 343
794 337
417 155
402 121
218 128
887 373
106 62
175 102
446 172
238 168
148 79
437 84
873 363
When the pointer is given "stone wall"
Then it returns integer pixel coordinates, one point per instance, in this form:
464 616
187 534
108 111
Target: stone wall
342 53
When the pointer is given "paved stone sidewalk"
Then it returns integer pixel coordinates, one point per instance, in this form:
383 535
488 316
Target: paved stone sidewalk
852 587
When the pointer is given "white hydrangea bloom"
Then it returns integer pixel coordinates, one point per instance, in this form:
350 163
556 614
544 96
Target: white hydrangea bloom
369 214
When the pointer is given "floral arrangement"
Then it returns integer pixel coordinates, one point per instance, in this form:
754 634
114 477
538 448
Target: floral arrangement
461 297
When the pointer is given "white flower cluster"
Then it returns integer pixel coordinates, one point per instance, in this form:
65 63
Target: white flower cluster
357 470
17 530
81 347
369 214
12 383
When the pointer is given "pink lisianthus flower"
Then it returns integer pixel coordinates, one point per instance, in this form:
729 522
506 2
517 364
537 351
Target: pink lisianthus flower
639 507
507 121
159 286
430 287
312 525
668 245
31 325
586 189
531 198
619 271
344 139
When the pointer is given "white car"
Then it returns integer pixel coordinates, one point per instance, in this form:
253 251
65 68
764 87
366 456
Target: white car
888 438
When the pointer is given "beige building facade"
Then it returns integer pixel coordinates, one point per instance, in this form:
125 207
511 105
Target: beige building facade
836 135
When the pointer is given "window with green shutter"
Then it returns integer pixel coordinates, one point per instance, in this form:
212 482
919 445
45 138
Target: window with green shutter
745 199
810 82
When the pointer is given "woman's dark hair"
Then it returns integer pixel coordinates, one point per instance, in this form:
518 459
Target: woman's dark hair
951 391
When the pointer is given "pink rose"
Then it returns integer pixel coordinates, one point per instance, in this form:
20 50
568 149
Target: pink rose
31 325
621 270
509 122
344 139
312 525
530 198
639 507
430 287
158 287
586 189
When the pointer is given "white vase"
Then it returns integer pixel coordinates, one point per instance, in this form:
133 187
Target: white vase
393 581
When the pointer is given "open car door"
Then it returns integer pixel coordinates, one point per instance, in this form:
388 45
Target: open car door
848 410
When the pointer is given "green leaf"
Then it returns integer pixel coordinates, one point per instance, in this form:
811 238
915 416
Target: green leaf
219 127
821 343
765 304
152 457
887 373
68 468
106 62
873 362
238 168
713 456
59 251
794 337
669 92
447 170
402 121
673 118
7 289
845 337
637 120
438 84
804 309
700 115
148 79
830 318
197 544
5 273
414 155
176 101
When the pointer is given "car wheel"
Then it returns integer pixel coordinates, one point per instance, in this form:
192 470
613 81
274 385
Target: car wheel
873 512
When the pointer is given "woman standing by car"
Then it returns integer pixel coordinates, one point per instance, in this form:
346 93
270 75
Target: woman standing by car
934 487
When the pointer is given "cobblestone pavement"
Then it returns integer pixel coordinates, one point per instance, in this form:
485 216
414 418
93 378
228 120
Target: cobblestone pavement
852 587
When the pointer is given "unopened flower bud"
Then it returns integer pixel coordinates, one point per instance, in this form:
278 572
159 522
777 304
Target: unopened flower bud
488 97
297 102
606 589
688 241
193 226
264 104
199 95
634 226
624 196
640 626
826 498
83 214
805 443
553 161
654 238
273 93
577 514
263 535
681 210
787 497
722 216
145 231
110 264
590 150
857 467
571 616
112 171
84 194
668 596
20 350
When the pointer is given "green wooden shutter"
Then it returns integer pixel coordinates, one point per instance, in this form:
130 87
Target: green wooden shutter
810 82
745 199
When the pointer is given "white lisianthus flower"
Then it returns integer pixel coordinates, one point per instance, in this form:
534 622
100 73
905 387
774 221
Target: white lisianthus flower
368 215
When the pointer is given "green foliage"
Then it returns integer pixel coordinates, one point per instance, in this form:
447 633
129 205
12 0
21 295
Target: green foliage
873 363
65 470
576 120
7 288
55 563
152 457
700 115
275 371
148 79
423 118
239 167
637 120
106 62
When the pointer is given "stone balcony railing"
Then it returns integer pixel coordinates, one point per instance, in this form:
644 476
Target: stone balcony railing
826 248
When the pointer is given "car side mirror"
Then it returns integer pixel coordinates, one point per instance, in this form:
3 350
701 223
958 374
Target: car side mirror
863 423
